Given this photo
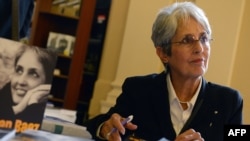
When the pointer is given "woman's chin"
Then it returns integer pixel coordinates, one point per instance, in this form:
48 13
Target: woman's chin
17 98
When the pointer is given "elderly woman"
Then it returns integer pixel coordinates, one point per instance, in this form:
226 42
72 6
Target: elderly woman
177 104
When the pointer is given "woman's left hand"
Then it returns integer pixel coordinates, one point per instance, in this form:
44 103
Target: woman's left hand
39 94
189 135
36 95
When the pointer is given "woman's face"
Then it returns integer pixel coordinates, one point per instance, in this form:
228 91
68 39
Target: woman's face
28 74
189 59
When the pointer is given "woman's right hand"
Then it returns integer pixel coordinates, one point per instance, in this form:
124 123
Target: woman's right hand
115 122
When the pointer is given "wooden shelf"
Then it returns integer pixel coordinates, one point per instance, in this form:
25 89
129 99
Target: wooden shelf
66 86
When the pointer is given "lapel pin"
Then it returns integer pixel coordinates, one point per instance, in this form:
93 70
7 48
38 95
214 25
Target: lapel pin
215 112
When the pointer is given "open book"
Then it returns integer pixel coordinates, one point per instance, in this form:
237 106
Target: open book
7 134
38 135
26 74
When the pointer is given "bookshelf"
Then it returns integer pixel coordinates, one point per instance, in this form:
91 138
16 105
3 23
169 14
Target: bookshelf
66 86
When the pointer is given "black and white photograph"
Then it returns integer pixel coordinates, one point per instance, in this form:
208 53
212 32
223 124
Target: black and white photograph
25 85
62 43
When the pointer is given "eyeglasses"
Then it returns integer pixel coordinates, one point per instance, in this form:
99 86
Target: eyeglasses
189 40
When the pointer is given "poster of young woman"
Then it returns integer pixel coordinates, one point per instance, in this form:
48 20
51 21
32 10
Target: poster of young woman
26 74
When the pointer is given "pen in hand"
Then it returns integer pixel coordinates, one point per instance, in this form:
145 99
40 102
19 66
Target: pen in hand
128 119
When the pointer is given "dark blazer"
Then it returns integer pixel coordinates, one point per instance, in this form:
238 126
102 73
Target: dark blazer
146 97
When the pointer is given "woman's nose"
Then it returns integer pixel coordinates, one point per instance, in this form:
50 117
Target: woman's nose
198 47
22 79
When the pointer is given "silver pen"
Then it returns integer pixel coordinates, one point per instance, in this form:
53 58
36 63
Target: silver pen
126 120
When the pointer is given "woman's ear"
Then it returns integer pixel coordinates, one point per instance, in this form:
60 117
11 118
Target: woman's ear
161 54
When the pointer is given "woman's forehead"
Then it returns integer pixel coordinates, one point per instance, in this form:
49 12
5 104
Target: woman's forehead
190 26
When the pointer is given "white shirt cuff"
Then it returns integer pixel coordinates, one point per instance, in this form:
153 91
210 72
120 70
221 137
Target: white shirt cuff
98 132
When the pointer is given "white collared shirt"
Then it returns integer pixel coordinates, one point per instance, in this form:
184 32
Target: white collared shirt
178 115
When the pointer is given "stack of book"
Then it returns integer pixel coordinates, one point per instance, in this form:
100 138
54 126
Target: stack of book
62 121
66 7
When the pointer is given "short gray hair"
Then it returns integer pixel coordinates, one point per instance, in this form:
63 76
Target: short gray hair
169 18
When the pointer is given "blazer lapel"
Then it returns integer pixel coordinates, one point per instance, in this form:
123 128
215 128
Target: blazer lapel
162 112
194 117
161 105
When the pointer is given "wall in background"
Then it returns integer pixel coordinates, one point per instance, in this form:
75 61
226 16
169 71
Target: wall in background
128 49
240 75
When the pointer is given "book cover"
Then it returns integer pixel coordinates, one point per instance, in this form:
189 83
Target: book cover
26 76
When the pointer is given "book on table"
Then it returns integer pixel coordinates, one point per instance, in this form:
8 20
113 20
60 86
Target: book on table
26 74
7 134
39 135
61 121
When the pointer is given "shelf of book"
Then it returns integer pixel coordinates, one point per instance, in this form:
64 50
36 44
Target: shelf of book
68 77
78 64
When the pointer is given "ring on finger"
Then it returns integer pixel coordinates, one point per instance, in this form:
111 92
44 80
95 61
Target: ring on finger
108 135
